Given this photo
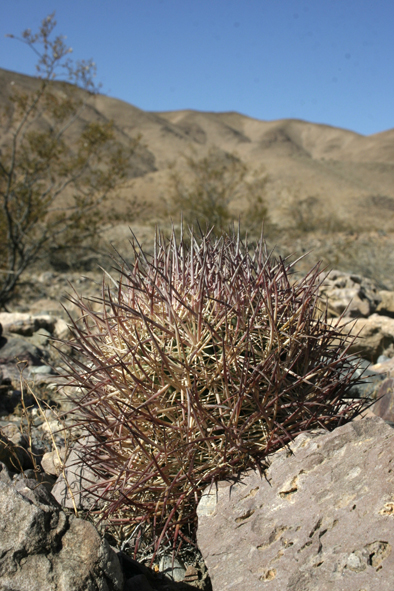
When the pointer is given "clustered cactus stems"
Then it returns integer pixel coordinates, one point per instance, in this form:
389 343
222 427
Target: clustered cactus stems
197 363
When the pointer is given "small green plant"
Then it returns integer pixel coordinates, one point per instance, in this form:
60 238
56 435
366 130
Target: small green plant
196 364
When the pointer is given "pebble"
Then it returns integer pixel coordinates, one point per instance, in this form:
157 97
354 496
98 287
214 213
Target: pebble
172 568
41 369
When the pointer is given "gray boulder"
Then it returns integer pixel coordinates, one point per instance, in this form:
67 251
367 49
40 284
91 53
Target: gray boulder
320 518
41 549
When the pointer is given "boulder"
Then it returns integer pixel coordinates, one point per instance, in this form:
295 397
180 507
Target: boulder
27 325
39 477
17 349
376 336
320 517
386 305
42 549
353 293
384 405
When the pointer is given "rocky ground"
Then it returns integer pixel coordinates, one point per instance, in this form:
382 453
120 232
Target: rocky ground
320 518
35 443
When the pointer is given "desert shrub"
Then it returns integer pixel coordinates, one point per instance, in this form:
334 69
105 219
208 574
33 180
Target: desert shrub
310 215
217 190
196 364
56 169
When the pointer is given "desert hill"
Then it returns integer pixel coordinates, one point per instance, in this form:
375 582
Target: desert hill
347 173
350 174
322 174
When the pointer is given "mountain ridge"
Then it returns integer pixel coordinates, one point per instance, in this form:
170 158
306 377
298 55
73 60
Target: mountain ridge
348 173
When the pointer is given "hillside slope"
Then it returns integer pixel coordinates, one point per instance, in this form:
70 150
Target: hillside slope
350 174
331 178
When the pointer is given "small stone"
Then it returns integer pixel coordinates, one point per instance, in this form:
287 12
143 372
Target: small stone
26 324
172 568
371 380
41 369
61 329
52 462
41 338
5 475
356 295
78 479
382 359
51 426
14 456
191 574
384 365
46 276
353 562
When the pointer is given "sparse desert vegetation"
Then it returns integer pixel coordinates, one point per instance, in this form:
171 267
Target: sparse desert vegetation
191 353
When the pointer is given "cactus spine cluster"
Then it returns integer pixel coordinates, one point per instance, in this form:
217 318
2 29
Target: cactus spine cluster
199 362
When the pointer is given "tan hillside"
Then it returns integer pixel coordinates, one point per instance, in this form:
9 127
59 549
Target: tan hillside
318 170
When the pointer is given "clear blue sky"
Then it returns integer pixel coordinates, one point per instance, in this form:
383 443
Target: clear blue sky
326 61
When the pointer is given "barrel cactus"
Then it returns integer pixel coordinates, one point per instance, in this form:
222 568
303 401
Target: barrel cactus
194 365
